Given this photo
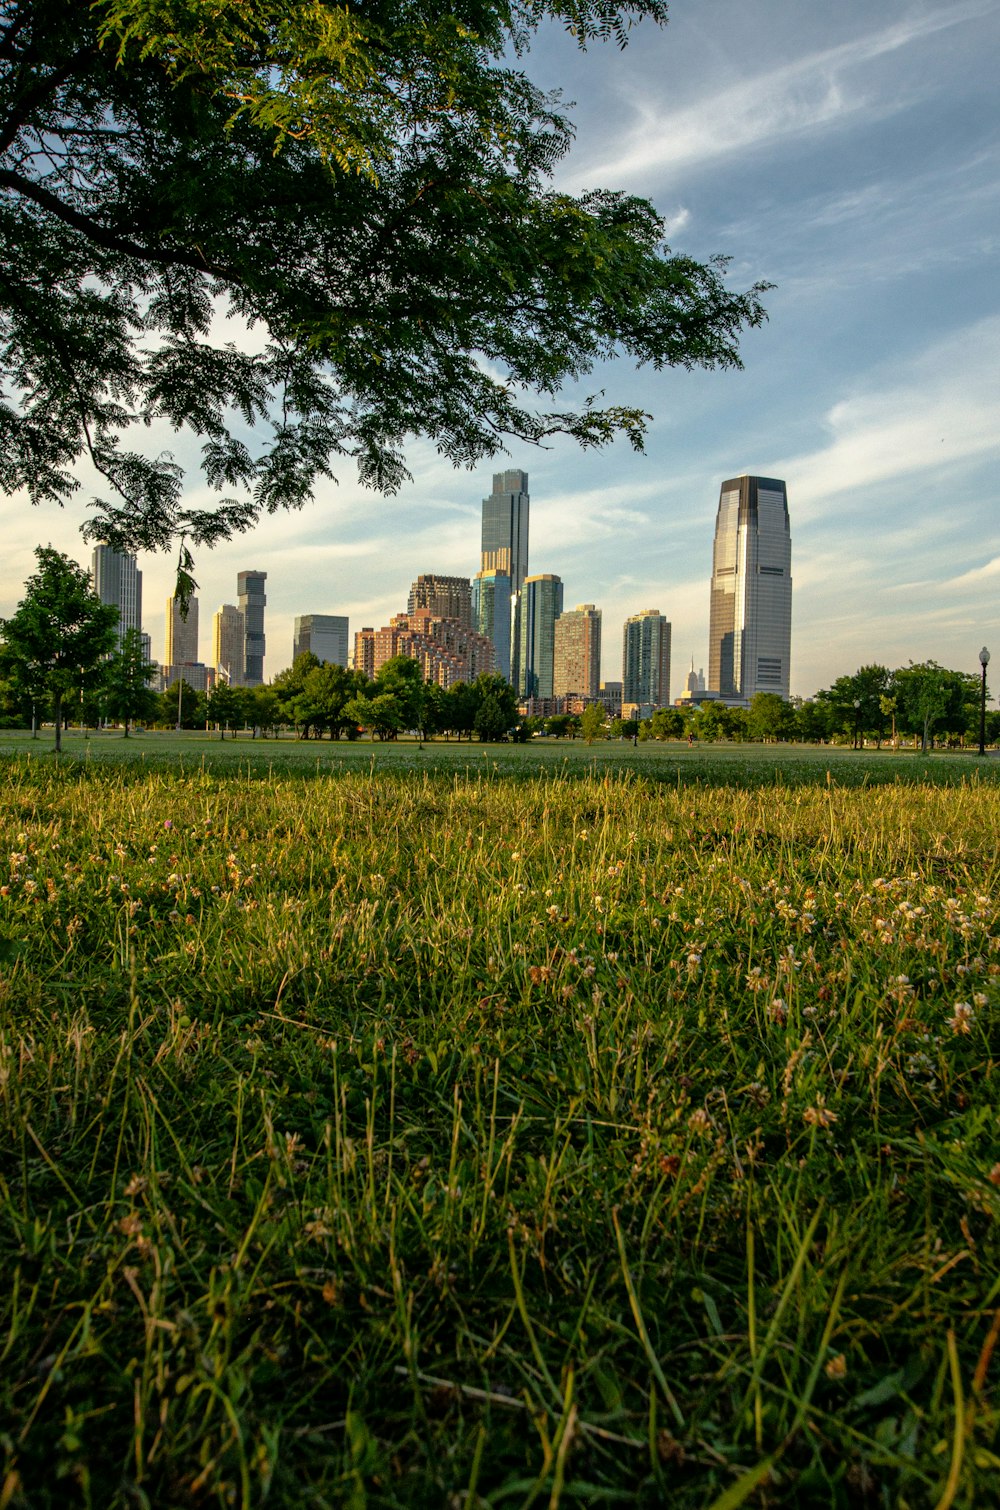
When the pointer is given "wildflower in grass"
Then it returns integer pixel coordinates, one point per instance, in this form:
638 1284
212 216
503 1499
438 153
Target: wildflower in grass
819 1115
962 1019
699 1121
167 824
755 979
778 1012
836 1368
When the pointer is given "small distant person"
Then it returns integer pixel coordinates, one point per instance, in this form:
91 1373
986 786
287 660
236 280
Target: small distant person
690 739
635 741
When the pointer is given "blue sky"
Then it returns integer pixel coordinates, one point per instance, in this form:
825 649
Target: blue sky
851 156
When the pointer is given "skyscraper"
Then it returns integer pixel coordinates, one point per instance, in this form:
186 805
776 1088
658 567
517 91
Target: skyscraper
447 597
577 652
750 627
646 661
250 585
118 582
491 608
505 527
228 644
182 634
539 604
324 635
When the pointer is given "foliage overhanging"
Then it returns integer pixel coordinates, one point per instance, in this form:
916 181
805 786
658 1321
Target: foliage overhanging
367 190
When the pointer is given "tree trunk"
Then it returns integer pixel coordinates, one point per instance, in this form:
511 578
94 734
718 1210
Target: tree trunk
58 711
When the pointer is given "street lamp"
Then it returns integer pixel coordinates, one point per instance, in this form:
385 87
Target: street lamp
984 660
857 719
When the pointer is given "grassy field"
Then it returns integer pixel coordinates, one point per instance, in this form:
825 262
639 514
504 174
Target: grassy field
625 1133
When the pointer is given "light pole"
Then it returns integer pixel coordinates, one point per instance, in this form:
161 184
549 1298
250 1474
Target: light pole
984 660
857 719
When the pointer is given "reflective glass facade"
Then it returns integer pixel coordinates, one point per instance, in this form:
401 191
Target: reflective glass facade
250 585
750 625
539 604
491 604
505 527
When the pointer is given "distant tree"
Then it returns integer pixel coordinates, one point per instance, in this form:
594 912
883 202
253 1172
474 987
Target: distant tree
709 721
593 721
462 707
289 686
126 692
223 706
401 678
261 708
496 706
559 725
812 721
433 711
326 691
866 688
928 694
769 717
630 728
379 712
667 723
60 634
181 695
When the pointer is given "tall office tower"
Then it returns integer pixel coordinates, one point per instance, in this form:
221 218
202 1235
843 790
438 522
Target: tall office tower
646 660
118 582
323 635
750 626
182 634
539 604
447 597
491 607
250 586
228 644
505 527
577 652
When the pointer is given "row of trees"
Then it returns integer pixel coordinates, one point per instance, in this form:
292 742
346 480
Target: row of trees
59 659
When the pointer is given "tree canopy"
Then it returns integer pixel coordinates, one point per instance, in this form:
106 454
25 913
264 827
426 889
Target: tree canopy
364 188
57 640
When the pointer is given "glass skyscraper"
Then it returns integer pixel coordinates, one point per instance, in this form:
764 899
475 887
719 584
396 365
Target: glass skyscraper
505 527
539 604
491 604
250 586
750 627
118 582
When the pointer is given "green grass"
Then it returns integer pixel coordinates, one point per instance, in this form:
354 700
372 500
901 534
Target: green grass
625 1133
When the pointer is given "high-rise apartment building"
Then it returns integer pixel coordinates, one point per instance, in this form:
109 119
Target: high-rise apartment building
576 652
250 586
446 650
491 610
539 604
505 527
447 597
750 626
324 635
229 644
118 582
182 633
646 661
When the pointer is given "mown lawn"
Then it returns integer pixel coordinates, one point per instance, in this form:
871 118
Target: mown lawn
421 1137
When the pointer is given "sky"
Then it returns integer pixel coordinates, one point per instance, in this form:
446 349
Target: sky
848 154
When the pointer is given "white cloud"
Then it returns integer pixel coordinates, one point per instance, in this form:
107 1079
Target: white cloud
819 90
938 410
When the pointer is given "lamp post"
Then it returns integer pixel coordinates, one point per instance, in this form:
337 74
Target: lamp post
857 719
984 660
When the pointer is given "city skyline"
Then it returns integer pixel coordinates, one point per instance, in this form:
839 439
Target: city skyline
848 157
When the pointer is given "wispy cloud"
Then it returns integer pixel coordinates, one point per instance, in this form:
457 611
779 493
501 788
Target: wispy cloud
939 410
820 90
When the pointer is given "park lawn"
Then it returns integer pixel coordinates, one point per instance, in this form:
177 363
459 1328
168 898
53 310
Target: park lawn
399 1135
